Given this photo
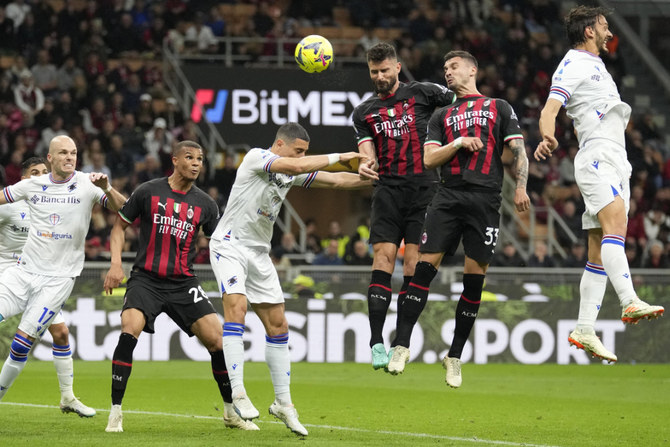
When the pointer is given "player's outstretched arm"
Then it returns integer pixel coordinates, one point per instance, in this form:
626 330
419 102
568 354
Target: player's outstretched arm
311 163
547 125
117 239
115 199
368 166
521 199
339 180
435 155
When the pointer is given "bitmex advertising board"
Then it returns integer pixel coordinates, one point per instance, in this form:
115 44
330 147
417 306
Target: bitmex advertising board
248 104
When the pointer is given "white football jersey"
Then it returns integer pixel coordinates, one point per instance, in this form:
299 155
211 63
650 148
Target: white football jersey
256 199
14 227
587 91
60 215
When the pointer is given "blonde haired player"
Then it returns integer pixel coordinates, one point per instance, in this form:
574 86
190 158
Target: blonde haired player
583 86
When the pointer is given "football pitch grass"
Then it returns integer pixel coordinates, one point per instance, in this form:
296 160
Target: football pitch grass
176 403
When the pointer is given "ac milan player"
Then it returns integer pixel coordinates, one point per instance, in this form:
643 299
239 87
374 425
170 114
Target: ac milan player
390 130
171 211
466 139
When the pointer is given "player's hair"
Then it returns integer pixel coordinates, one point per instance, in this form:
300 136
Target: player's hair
184 144
32 161
290 132
380 52
462 55
581 17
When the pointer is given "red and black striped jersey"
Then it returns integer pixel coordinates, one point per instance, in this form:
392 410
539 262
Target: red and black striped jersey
397 125
169 224
493 121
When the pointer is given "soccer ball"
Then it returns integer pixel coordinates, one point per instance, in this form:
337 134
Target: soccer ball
314 53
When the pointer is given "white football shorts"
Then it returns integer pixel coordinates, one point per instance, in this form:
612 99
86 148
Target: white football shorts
243 270
600 177
39 297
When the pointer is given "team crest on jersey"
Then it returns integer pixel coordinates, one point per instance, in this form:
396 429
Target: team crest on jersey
72 187
424 237
189 213
487 102
276 200
54 219
232 281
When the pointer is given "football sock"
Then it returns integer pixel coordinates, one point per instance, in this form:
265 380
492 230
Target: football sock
466 312
62 356
591 293
279 363
414 302
233 351
401 299
18 355
615 263
379 299
221 375
122 366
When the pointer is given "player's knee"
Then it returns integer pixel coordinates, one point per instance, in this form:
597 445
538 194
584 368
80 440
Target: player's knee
60 334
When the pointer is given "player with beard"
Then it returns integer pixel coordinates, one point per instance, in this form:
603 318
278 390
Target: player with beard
171 211
583 86
390 129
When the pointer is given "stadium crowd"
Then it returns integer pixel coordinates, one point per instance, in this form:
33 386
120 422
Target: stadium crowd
91 70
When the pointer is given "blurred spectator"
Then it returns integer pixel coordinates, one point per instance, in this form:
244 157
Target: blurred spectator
540 256
17 11
144 114
654 219
330 254
132 136
7 44
45 74
13 168
93 249
633 253
200 36
215 22
287 246
202 253
66 74
573 220
335 234
172 114
53 130
360 254
655 257
369 39
150 169
120 162
28 97
125 39
508 256
158 142
577 256
96 160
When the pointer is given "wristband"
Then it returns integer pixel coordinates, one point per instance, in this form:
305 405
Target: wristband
333 158
109 188
458 143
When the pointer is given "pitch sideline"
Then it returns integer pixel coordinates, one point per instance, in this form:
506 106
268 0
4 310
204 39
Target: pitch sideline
330 427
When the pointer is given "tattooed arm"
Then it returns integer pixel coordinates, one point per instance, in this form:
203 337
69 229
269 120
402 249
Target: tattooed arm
521 199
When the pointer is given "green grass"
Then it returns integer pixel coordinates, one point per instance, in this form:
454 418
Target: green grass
176 403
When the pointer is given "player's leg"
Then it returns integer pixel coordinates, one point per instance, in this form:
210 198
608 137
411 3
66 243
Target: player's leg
209 331
278 360
379 298
12 302
16 361
386 232
133 321
591 292
62 358
613 221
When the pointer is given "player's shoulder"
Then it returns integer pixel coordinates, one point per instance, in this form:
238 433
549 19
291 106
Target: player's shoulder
366 104
151 186
425 86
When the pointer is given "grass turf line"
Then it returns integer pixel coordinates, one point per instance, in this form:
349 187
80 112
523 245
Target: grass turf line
350 404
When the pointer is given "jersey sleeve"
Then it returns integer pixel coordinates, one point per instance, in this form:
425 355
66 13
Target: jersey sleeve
5 213
361 129
305 180
565 81
98 194
132 209
259 160
437 95
509 124
436 134
17 191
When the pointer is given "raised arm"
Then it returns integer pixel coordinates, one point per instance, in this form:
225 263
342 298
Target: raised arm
311 163
115 199
521 199
117 239
435 155
548 129
368 166
340 180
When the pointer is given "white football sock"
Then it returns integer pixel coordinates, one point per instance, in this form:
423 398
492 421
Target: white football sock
591 294
613 254
63 363
233 351
279 362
